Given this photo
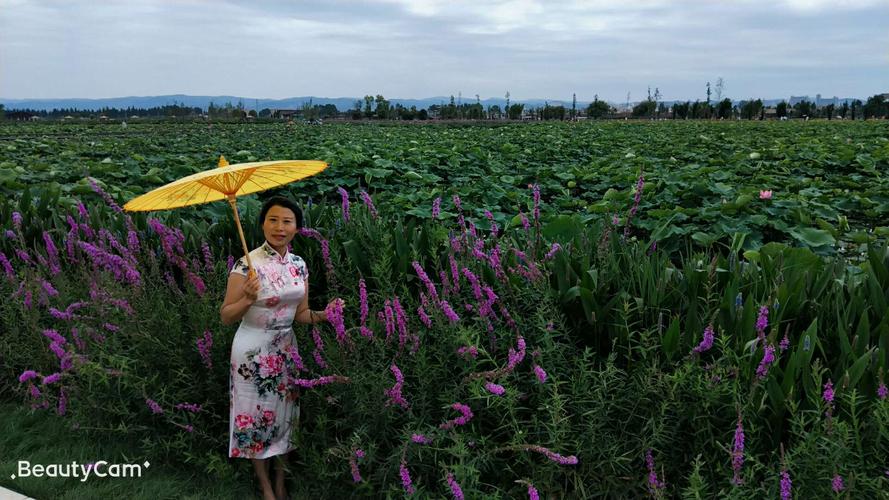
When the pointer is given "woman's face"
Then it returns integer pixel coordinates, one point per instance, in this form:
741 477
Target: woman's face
279 226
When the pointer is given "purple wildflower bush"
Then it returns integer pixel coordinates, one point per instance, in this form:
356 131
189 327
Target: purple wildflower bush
461 353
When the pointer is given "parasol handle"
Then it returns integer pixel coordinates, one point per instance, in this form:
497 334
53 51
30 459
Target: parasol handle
232 200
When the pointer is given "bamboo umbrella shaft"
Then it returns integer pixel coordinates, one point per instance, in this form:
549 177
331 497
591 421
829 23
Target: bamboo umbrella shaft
232 200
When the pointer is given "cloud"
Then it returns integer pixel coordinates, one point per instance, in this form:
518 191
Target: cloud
418 48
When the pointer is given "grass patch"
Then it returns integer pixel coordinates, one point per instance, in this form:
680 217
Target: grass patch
43 438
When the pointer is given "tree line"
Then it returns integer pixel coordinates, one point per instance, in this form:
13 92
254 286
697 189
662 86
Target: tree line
379 108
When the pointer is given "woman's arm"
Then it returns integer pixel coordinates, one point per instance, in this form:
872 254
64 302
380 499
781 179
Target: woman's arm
306 316
236 302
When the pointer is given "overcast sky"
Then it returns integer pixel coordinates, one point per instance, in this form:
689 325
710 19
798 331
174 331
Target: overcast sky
423 48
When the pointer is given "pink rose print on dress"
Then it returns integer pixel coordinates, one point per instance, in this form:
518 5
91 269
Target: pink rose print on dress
243 421
272 301
268 417
270 365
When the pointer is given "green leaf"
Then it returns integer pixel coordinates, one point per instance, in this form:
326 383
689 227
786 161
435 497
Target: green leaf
813 237
671 339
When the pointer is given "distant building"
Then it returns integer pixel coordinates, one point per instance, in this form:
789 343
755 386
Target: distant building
796 99
286 114
826 102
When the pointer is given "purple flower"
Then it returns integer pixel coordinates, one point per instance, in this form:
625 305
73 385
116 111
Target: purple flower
115 264
204 348
738 452
319 359
27 375
297 360
406 478
540 374
465 416
53 253
430 287
401 322
471 351
345 197
536 193
555 457
359 453
436 207
389 318
882 392
17 220
57 349
786 486
455 488
23 255
448 312
54 336
369 203
52 379
420 439
516 356
532 492
153 406
495 389
424 317
784 344
7 266
828 393
107 197
316 382
552 251
48 288
837 483
310 233
335 317
525 224
655 485
63 402
394 392
706 342
133 247
194 408
762 321
353 466
496 265
768 357
362 297
325 255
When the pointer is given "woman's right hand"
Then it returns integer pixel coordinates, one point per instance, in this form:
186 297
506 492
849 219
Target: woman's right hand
251 288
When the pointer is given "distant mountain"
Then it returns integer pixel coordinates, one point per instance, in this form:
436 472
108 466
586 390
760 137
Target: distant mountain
342 103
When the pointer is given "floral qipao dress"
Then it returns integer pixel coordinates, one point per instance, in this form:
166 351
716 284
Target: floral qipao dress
262 409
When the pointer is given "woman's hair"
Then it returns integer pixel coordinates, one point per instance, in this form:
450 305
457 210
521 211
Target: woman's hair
281 201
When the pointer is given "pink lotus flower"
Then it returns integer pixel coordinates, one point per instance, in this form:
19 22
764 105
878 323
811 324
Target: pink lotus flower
765 194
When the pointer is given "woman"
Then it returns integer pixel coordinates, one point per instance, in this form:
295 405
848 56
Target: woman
263 406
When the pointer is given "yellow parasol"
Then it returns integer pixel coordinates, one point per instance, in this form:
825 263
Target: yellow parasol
226 182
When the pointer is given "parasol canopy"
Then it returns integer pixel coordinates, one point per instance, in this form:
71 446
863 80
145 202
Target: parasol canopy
225 182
